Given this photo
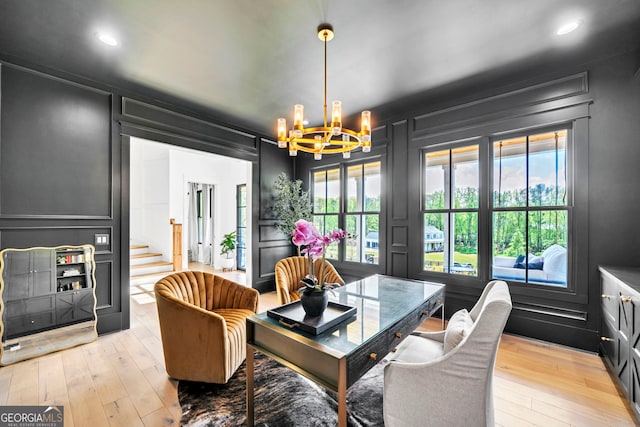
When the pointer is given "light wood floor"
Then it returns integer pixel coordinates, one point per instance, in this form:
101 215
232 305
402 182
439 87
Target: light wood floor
120 380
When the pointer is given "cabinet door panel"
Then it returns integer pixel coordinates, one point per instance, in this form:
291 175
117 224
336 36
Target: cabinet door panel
43 271
30 323
74 306
627 314
16 274
609 298
610 344
30 306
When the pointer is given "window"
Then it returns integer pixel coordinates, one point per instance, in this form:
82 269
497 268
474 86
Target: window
450 210
326 204
362 221
358 214
241 227
530 208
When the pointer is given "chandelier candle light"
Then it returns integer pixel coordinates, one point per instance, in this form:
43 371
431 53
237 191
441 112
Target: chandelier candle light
324 139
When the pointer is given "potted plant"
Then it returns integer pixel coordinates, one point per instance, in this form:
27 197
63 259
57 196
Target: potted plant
291 203
228 245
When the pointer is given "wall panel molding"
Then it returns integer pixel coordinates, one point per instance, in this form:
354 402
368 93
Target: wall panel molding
137 111
399 166
399 236
509 104
56 148
399 264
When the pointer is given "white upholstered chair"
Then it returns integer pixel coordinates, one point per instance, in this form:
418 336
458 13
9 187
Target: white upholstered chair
445 378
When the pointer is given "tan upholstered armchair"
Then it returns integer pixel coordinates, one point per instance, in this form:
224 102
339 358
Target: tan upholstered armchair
202 323
289 272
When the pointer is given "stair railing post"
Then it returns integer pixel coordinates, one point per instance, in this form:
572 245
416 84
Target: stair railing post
177 244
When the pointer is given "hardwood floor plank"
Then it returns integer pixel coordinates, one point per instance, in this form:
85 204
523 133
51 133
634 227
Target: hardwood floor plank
52 386
24 385
108 386
138 388
579 416
139 354
160 418
166 389
122 413
86 407
6 372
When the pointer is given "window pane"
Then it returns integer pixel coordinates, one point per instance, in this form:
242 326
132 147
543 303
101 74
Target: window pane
465 177
333 191
354 188
547 169
242 196
547 244
372 187
465 255
372 242
510 172
434 242
320 192
354 240
318 222
436 172
509 244
326 224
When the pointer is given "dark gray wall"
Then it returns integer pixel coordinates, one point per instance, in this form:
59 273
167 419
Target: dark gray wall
64 171
601 101
59 163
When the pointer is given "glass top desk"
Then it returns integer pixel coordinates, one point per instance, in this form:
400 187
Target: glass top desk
388 309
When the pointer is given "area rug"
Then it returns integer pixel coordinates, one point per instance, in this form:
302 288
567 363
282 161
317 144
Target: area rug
282 398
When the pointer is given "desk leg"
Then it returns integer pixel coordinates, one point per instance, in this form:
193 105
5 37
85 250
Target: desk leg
342 393
249 369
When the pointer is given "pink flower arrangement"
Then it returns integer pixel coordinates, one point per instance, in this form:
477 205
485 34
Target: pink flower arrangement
314 244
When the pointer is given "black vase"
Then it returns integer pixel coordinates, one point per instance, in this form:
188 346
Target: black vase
315 302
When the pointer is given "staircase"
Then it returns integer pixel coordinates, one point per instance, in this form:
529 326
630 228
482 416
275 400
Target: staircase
146 267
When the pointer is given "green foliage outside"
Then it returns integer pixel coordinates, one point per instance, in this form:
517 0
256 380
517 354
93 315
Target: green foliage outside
546 227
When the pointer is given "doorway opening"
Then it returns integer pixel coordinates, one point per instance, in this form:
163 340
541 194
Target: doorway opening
199 191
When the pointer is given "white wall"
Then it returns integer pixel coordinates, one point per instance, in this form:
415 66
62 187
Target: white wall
222 172
160 174
150 196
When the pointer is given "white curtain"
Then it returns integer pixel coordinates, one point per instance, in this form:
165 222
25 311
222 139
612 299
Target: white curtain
193 221
207 223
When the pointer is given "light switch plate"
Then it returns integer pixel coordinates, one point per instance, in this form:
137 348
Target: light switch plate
101 239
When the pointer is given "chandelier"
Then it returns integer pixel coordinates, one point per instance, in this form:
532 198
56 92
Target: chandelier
324 139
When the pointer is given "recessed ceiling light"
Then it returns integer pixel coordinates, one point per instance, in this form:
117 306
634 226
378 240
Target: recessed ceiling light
568 27
107 39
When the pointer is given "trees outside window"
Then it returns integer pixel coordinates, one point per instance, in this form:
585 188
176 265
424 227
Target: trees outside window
450 210
348 197
529 208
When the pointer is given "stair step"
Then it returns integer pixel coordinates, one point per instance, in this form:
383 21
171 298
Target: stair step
151 264
139 247
149 278
145 255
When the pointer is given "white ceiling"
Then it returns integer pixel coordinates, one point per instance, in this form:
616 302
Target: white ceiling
253 59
